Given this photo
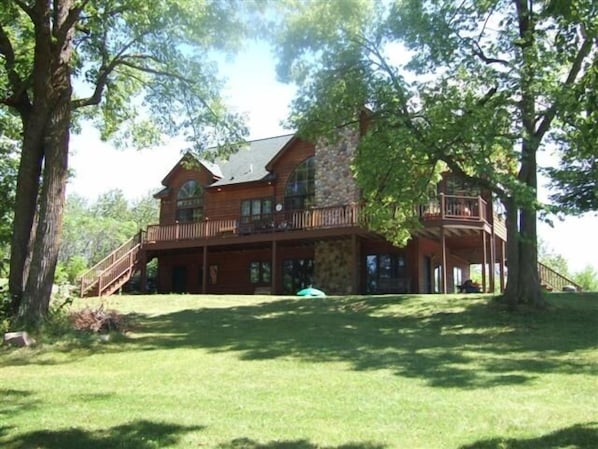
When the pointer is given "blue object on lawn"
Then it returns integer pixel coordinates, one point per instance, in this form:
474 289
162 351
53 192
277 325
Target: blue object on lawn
310 291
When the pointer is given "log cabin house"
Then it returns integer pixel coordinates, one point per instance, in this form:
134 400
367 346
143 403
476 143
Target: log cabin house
283 214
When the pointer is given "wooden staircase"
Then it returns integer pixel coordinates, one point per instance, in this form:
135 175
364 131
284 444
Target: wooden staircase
553 281
113 271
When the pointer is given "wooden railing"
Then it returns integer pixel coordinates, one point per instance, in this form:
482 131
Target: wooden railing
92 276
316 218
455 207
554 280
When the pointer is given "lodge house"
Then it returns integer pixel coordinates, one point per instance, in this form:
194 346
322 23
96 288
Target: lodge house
283 213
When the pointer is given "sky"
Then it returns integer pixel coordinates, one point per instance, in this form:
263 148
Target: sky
252 88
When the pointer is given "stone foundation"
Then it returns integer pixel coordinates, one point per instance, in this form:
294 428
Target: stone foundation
334 267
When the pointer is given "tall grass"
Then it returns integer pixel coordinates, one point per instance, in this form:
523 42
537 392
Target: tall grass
236 372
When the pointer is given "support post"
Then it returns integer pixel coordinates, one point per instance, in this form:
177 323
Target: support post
484 261
502 266
356 265
204 270
273 289
492 261
443 259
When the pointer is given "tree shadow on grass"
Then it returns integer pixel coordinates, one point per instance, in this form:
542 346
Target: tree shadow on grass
579 436
476 344
246 443
15 401
136 435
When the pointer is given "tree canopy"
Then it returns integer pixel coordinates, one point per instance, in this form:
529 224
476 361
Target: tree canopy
477 87
139 70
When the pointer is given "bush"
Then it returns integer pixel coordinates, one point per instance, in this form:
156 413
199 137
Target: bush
99 321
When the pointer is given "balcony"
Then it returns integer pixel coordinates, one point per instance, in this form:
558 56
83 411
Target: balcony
461 215
326 219
455 211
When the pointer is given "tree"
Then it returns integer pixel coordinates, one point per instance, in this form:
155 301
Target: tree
587 279
137 69
93 230
476 89
8 181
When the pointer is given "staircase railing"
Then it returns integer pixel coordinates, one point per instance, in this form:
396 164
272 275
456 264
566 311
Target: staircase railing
91 277
555 280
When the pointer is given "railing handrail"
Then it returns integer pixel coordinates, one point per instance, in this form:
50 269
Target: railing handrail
312 218
549 275
92 275
455 206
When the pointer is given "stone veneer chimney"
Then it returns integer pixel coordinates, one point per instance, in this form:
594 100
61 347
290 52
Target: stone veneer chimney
334 181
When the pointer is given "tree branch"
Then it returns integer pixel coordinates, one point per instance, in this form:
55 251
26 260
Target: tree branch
102 79
19 98
550 113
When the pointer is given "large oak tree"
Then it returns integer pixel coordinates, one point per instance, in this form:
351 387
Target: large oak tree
138 69
474 86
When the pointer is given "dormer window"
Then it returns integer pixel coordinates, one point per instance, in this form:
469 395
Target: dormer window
189 202
300 190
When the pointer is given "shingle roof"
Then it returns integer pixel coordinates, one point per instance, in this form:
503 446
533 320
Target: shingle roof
249 163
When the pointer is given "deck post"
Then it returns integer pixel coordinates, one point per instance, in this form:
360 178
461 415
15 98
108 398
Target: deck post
142 271
492 261
502 266
204 270
273 290
356 264
484 261
442 207
443 255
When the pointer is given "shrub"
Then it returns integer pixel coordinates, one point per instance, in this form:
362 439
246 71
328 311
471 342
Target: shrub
99 320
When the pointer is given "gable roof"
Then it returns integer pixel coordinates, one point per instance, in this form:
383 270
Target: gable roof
250 162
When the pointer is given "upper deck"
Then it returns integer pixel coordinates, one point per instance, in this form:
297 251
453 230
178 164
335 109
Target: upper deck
460 215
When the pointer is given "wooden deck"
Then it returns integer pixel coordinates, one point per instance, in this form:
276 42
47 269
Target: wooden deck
457 215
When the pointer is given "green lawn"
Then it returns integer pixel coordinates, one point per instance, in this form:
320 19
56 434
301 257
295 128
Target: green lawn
251 372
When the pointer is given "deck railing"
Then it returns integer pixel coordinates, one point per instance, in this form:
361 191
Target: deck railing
554 280
92 276
455 207
310 219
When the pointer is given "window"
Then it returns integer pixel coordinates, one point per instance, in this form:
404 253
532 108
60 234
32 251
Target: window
300 190
260 272
387 273
189 202
297 274
256 210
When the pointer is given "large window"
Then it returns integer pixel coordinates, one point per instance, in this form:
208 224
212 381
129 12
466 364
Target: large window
387 273
300 190
189 202
297 274
260 272
256 210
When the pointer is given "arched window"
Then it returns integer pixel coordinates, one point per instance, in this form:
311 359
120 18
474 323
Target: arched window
300 191
189 202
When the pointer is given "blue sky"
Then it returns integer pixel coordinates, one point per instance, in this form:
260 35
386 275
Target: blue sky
252 88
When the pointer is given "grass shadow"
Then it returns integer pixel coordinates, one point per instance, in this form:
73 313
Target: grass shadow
15 402
246 443
475 344
136 435
579 436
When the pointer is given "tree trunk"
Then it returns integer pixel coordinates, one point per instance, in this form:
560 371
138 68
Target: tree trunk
38 290
51 113
28 182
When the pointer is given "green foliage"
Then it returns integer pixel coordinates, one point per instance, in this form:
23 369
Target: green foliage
92 230
442 82
8 180
587 279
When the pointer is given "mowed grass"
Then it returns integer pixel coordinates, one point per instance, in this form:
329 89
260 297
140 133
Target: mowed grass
251 372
